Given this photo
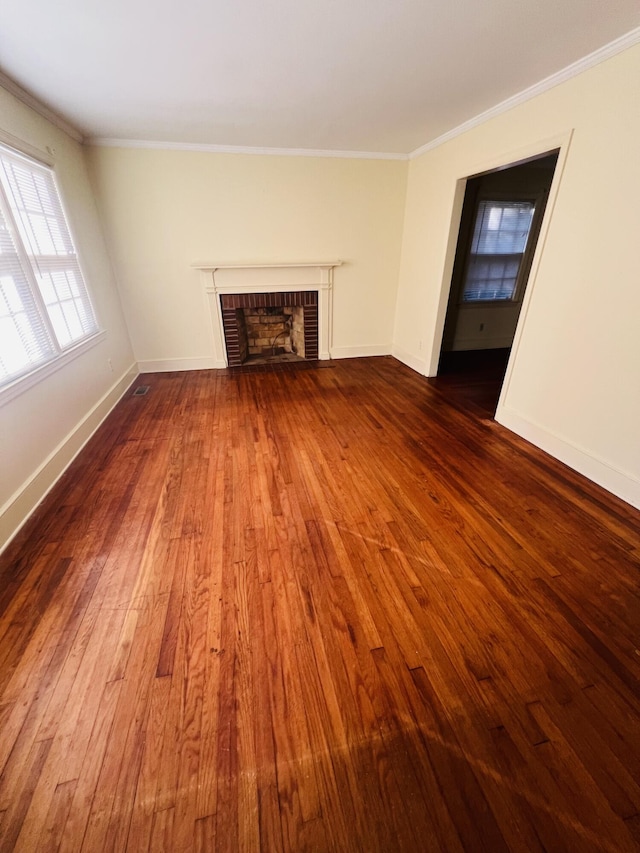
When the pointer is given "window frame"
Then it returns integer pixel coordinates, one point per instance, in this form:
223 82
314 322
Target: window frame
526 257
12 387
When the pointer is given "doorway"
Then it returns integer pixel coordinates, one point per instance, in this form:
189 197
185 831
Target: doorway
499 227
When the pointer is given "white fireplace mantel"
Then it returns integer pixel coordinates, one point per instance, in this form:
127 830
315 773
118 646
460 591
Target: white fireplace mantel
218 278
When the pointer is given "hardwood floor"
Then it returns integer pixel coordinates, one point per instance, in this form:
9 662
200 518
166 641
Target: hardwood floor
319 609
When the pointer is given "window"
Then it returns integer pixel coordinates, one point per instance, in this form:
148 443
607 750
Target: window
45 309
500 236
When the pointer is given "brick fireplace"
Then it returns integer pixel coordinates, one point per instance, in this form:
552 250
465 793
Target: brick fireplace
296 299
257 324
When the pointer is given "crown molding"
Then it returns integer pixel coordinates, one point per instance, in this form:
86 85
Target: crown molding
37 106
601 55
106 142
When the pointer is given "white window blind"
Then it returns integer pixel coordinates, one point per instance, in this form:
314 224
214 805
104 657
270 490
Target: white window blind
44 304
499 240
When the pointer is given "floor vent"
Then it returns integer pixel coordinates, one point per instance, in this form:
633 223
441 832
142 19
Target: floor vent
141 390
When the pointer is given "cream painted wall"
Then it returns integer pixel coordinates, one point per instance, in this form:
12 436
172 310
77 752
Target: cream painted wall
573 386
42 428
166 210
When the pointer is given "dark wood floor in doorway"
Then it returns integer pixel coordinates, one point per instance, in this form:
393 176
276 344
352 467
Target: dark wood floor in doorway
324 610
474 377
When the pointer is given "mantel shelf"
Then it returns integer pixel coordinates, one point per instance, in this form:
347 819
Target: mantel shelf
212 267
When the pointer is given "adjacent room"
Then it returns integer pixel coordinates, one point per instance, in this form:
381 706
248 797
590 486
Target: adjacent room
319 418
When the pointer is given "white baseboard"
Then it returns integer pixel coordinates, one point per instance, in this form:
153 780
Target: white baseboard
17 510
412 361
620 483
169 365
360 352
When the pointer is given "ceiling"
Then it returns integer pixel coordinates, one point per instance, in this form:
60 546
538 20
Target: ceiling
348 75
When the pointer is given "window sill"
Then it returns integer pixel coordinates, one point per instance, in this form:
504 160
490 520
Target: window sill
28 380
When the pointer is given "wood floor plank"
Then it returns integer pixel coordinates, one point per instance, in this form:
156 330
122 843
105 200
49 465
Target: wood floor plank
101 734
144 806
23 788
322 607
